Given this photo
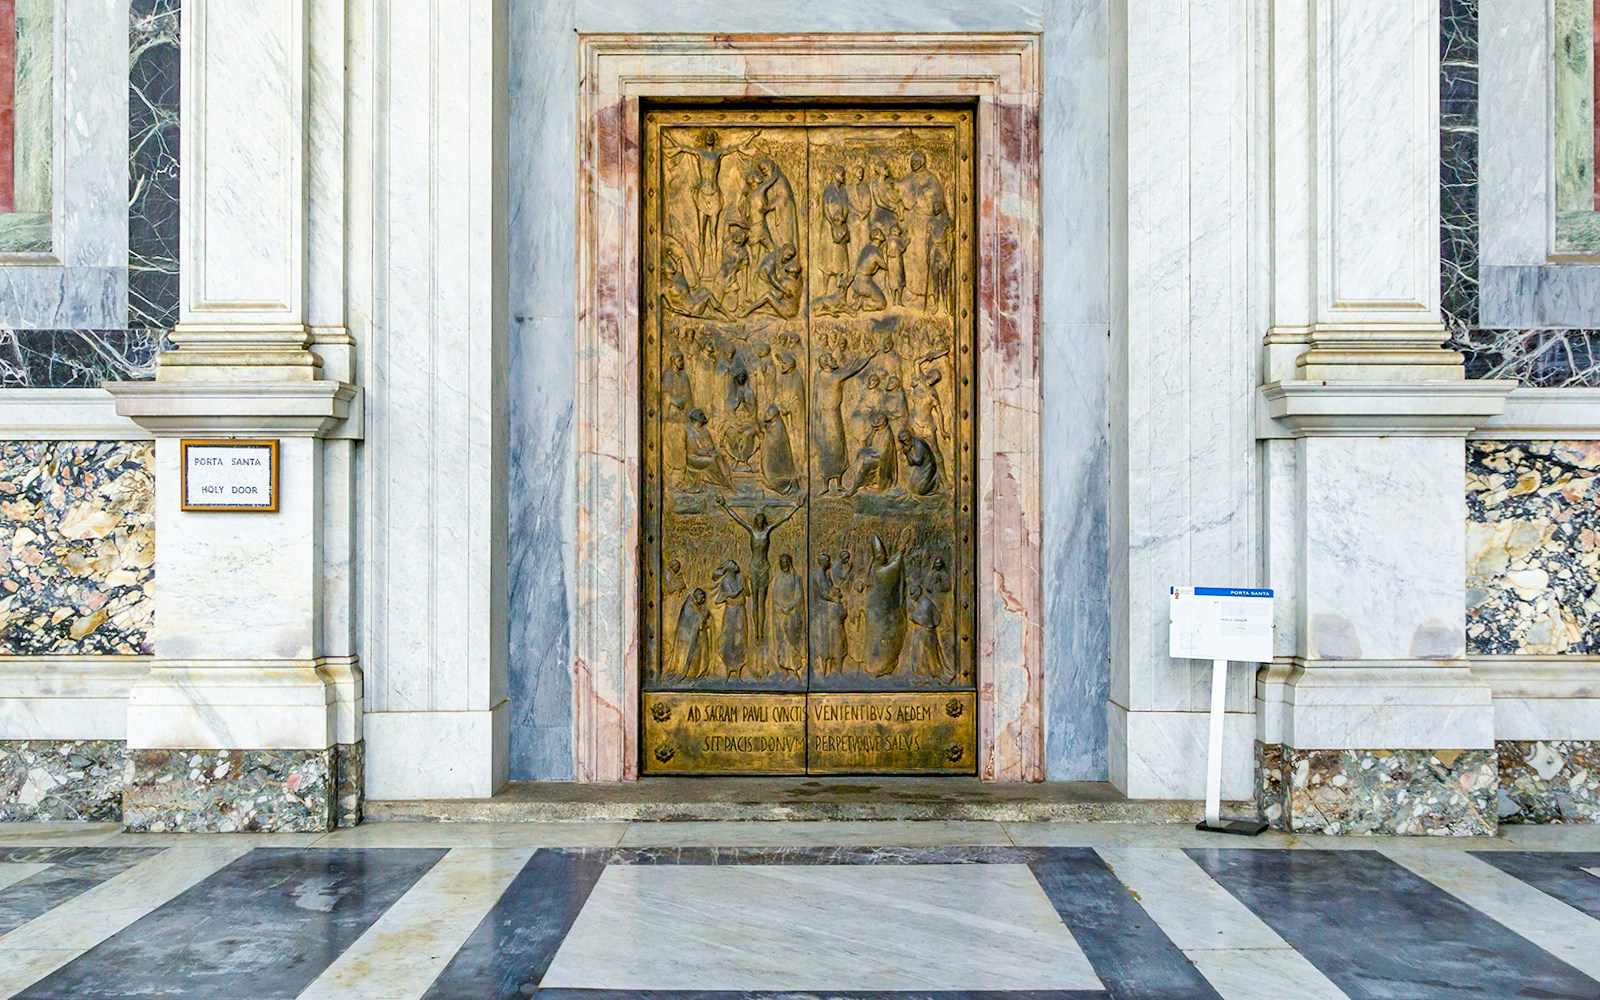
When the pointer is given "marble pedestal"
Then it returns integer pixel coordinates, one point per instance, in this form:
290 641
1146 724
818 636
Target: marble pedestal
249 717
1378 724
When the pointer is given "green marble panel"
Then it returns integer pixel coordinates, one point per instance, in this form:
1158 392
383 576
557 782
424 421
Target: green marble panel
1577 223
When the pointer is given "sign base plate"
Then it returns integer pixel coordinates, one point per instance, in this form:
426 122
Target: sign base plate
1242 827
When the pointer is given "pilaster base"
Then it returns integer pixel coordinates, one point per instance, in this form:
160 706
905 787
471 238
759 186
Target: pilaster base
350 766
1401 792
243 791
61 780
1549 781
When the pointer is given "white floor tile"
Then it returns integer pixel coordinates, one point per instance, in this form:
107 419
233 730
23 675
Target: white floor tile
1188 905
1233 948
1567 933
405 950
510 835
1263 974
1552 836
1134 835
828 834
808 927
57 834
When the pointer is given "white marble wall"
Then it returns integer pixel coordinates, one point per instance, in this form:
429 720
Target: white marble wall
1076 164
427 305
1183 467
82 281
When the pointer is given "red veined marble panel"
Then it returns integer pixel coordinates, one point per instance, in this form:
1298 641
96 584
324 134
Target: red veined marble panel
8 104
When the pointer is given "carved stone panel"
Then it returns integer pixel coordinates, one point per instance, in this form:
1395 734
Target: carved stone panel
807 356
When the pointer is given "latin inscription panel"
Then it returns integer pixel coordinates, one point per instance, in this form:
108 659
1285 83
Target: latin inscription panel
695 733
887 733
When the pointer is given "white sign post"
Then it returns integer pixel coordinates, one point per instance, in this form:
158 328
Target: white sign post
1220 624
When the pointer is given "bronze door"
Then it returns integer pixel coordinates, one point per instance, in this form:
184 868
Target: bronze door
807 355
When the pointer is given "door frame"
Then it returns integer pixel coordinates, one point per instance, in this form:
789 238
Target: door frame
1002 72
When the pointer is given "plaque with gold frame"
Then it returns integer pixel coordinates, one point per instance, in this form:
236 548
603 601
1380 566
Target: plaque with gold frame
229 474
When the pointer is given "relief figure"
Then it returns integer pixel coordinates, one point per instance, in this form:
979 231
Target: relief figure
708 158
789 600
864 294
685 297
790 390
694 637
894 251
677 399
922 466
778 286
893 402
924 652
927 417
885 606
672 578
773 221
886 205
760 566
703 462
835 251
859 192
742 430
777 457
877 465
924 212
828 643
827 428
731 598
851 594
734 274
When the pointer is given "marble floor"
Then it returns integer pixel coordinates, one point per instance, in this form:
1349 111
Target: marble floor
795 910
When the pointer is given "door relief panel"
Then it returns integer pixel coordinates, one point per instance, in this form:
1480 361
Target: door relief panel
807 359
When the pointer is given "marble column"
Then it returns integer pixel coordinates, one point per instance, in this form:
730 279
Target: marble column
250 715
1369 717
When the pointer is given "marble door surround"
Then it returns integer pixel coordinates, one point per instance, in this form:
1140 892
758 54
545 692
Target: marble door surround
1001 72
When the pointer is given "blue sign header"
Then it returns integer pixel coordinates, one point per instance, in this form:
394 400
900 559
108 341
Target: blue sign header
1231 592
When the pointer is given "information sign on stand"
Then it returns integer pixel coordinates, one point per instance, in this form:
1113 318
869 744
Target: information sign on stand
1220 624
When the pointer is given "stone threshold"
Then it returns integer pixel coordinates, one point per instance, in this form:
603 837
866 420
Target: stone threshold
779 799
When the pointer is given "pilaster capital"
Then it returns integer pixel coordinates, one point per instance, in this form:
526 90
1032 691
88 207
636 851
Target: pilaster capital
1379 407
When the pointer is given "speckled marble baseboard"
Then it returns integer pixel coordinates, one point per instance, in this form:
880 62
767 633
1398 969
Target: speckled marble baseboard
1549 781
350 759
229 791
61 780
1401 792
1269 784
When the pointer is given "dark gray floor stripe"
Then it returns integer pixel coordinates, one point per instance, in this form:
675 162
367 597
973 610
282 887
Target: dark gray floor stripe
1560 875
263 927
510 951
73 870
1130 954
1380 931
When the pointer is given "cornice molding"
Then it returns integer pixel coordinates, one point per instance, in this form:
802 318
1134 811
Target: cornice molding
319 408
1293 409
